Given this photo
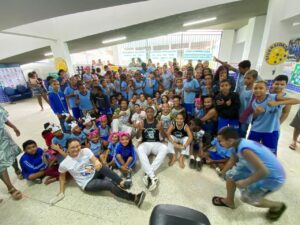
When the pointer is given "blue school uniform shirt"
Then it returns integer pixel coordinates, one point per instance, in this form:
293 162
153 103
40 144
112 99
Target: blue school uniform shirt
189 97
104 132
62 142
96 147
223 152
125 152
32 163
167 79
276 174
245 99
62 86
112 147
139 86
268 121
123 89
117 84
87 77
199 112
111 87
149 90
58 103
81 137
68 91
85 101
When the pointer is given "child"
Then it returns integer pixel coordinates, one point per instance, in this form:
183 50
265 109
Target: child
125 157
101 102
208 88
150 103
196 145
59 143
165 116
227 106
88 124
70 93
77 133
149 85
190 86
257 173
58 102
177 108
198 111
139 84
138 116
104 129
266 117
33 167
130 89
111 149
278 87
114 103
95 144
121 118
246 98
67 124
83 99
180 138
142 101
47 133
179 87
124 86
133 101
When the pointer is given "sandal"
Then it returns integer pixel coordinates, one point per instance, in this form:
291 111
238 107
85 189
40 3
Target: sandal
292 146
19 174
218 201
17 195
275 215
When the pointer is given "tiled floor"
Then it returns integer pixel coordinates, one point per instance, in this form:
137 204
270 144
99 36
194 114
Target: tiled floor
183 187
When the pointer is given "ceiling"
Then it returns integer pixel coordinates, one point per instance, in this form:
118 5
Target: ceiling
27 11
232 15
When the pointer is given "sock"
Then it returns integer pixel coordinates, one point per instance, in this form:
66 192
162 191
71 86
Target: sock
198 159
192 157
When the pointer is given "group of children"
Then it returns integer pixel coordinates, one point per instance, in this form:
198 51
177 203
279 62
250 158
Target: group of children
192 104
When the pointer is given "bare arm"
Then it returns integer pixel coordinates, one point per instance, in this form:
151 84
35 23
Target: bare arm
230 163
285 113
62 182
11 125
190 135
168 134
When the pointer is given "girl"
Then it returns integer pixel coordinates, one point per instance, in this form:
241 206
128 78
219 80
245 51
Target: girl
198 111
114 103
104 129
117 82
125 157
111 149
37 89
130 89
88 124
101 102
180 138
95 144
77 133
149 85
157 98
90 175
124 86
179 87
139 84
83 99
71 97
165 116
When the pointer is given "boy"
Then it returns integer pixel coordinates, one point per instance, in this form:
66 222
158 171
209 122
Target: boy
278 87
257 173
177 108
227 106
71 97
138 116
59 143
57 101
83 100
246 98
33 166
266 117
190 87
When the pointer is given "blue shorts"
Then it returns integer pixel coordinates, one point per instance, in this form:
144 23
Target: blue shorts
76 112
222 122
215 156
119 165
189 108
269 140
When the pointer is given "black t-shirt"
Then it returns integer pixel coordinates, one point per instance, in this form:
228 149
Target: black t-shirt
150 132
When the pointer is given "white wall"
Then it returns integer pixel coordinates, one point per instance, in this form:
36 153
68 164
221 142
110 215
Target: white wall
42 68
227 40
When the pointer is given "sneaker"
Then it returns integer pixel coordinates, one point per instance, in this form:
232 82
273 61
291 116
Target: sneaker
38 181
140 199
127 184
128 175
199 165
146 180
153 184
192 164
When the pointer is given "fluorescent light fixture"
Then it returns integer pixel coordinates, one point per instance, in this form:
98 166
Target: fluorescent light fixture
296 24
113 40
199 21
48 54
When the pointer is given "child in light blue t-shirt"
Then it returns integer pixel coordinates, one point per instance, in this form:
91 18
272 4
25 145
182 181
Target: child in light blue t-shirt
190 87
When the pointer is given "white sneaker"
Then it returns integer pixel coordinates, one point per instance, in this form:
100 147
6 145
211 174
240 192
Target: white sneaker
146 180
153 184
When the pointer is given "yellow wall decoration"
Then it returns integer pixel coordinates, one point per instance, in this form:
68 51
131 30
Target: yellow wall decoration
60 64
277 53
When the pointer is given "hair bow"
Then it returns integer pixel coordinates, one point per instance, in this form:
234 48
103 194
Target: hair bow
93 133
102 118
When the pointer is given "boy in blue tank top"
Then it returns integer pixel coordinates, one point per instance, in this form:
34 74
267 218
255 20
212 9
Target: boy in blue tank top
266 115
83 100
254 170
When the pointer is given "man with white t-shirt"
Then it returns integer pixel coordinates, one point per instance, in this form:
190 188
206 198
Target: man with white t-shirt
149 130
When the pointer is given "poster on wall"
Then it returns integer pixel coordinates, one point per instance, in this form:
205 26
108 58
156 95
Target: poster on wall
163 56
11 75
197 55
294 50
127 55
295 79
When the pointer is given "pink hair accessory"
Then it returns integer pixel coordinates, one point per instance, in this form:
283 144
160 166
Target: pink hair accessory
198 100
121 134
112 134
93 133
102 118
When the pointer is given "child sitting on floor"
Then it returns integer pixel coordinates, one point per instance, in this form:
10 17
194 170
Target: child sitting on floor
47 133
88 124
111 149
257 173
33 166
95 144
165 116
177 107
77 133
138 116
125 157
104 129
